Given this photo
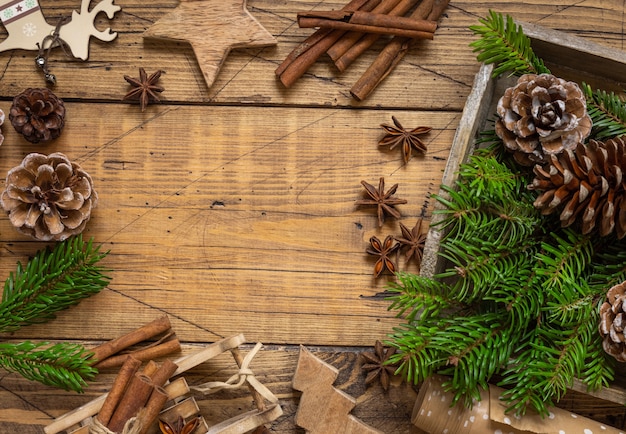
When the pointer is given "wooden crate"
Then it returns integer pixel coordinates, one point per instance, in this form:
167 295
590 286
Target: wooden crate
568 57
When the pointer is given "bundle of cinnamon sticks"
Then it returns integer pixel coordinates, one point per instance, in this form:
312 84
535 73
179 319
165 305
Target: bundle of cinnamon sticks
136 393
346 34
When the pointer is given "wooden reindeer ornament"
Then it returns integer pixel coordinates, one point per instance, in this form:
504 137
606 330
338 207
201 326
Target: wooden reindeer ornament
28 29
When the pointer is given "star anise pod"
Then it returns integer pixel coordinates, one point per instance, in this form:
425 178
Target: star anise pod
408 139
144 88
376 365
384 201
383 251
179 427
414 239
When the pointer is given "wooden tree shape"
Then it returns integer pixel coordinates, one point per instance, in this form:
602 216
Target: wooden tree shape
324 409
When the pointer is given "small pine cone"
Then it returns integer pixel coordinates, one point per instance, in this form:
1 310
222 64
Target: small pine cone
613 322
38 115
542 115
2 117
48 197
585 185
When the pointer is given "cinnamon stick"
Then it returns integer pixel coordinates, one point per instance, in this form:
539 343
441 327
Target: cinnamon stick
123 378
368 22
134 398
350 38
163 373
344 54
143 333
390 8
150 368
395 50
149 414
167 347
305 55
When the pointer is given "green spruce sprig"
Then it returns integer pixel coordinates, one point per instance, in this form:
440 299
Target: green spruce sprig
518 298
51 281
503 43
607 111
62 365
520 295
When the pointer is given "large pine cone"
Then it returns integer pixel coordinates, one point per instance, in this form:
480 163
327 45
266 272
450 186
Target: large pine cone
613 322
38 114
585 185
48 197
542 115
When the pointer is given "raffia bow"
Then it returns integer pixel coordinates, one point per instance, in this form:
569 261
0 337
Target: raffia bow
237 380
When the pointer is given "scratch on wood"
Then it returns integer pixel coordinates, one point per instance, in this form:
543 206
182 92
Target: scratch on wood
560 10
116 139
6 66
165 311
121 165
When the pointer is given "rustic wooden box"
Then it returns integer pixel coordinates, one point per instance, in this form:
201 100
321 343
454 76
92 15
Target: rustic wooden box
568 57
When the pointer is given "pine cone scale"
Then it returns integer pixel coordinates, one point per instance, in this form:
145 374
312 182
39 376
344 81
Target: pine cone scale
52 219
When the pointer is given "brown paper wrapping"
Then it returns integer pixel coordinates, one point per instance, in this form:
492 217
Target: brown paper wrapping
433 414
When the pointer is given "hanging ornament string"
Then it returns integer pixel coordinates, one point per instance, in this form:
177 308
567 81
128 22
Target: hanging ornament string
50 41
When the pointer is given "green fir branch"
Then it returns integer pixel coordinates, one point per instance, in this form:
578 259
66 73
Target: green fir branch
548 366
520 382
415 295
50 282
607 111
564 259
520 295
477 347
599 369
60 365
503 43
609 265
416 358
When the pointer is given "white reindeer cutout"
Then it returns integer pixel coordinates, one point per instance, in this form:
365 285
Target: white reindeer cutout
27 27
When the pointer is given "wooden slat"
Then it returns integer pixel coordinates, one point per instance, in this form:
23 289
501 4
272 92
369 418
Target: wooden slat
237 217
231 209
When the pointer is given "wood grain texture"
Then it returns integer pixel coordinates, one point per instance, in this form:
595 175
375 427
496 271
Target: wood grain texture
231 209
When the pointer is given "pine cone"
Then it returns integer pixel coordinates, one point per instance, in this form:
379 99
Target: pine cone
586 185
38 114
48 197
542 115
613 322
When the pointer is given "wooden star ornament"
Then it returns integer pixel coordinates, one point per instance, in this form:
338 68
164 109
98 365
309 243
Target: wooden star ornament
212 28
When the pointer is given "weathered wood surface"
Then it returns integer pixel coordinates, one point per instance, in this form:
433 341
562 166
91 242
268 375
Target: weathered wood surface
231 208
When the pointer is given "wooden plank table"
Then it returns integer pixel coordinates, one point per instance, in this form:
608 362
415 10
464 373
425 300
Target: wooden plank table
231 208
